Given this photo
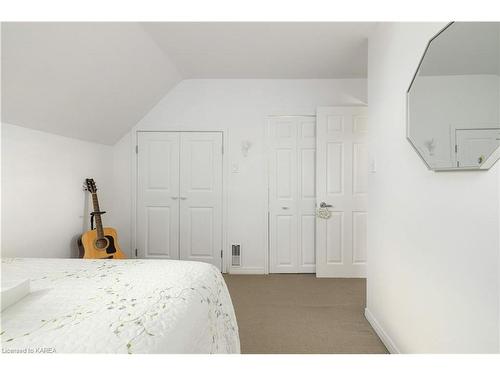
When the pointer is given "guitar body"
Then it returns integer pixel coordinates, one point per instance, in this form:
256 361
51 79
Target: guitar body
100 243
91 247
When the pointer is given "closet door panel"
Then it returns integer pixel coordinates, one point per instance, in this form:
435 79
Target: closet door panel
201 197
157 195
283 195
306 198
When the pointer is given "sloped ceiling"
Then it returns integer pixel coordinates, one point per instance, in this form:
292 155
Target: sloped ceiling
91 81
95 81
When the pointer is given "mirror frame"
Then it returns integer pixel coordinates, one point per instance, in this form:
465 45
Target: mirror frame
490 161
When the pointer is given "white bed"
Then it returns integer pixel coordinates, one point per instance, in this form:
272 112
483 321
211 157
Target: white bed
119 306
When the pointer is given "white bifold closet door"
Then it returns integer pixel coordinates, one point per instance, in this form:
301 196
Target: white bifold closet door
292 154
179 196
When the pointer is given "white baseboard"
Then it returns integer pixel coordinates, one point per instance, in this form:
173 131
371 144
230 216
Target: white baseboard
384 337
247 271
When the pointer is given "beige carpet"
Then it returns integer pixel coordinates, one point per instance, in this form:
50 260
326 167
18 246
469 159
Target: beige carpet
301 314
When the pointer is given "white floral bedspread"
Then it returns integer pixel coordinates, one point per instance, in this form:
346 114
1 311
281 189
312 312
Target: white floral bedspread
119 306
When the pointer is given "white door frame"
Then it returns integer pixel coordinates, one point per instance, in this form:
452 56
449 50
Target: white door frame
267 155
226 254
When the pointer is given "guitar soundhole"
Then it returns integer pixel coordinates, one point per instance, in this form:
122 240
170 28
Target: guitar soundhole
101 243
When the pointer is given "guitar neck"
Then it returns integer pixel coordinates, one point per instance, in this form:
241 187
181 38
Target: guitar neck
97 217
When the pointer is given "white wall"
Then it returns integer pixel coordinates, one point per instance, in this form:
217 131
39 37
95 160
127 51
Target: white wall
239 108
433 238
44 208
122 192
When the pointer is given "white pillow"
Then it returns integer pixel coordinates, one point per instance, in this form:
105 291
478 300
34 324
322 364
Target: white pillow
13 290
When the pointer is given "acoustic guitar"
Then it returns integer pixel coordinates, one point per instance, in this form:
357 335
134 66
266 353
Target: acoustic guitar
99 243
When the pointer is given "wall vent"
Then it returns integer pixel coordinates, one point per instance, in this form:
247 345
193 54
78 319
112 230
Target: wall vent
236 255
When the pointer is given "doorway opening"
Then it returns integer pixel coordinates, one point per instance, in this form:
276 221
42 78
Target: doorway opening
317 192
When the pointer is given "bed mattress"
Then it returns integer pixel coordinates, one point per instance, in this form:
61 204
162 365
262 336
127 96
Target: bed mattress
119 306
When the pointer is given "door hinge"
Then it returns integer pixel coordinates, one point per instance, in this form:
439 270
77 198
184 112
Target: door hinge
136 253
136 149
456 149
221 253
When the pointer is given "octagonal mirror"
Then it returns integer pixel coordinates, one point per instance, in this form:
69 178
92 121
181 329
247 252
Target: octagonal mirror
453 102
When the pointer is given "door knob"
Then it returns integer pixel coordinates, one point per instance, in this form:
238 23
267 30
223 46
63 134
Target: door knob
183 198
324 205
175 198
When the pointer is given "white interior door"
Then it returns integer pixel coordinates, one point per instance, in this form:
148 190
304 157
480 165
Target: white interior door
201 197
292 153
157 195
179 196
341 174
